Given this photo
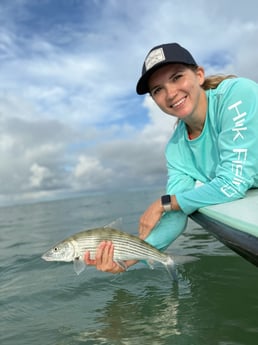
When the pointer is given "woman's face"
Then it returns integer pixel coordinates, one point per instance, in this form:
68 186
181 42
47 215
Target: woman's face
176 89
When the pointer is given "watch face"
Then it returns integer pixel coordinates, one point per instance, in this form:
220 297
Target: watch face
165 199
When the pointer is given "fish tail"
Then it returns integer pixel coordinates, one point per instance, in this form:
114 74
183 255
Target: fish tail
171 268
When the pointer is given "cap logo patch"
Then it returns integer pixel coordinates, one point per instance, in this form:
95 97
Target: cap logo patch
155 56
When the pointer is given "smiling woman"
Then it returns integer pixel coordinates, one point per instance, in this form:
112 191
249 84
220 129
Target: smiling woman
215 141
202 147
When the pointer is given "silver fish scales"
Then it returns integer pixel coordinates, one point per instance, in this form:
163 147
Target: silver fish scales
126 247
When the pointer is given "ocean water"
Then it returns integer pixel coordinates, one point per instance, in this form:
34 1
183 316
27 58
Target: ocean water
214 302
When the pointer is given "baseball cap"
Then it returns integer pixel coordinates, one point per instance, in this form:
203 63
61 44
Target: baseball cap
158 57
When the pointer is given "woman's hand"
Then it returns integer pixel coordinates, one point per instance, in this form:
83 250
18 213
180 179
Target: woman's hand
150 218
104 259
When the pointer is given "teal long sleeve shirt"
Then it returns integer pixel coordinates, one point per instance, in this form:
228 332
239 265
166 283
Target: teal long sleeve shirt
224 158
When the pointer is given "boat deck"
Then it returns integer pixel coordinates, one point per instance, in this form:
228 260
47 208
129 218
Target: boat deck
235 224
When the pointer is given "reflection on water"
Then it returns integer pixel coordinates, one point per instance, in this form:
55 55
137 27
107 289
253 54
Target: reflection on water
212 304
151 313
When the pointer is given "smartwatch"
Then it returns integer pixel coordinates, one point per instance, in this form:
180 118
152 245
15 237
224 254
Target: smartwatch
166 202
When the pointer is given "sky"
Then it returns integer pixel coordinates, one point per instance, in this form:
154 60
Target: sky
70 119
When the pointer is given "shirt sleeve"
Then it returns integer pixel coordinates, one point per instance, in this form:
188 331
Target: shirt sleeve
171 224
237 167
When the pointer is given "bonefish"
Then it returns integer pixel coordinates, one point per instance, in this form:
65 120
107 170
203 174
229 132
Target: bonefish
126 247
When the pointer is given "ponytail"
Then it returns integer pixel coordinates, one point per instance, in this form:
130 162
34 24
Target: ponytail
212 81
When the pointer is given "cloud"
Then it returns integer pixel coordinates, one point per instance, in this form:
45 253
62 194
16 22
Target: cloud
70 120
90 174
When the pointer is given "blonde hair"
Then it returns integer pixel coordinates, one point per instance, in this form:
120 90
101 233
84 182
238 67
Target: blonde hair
212 81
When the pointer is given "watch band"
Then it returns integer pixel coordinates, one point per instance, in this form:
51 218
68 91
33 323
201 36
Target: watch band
166 202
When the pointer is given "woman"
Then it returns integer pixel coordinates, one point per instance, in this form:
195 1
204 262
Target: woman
215 143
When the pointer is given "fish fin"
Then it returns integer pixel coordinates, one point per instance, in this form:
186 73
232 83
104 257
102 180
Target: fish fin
171 268
78 265
117 223
150 263
122 264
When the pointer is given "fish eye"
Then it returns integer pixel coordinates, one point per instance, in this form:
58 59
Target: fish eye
55 249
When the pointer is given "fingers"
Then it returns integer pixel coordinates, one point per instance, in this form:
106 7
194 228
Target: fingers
104 259
88 260
150 218
104 256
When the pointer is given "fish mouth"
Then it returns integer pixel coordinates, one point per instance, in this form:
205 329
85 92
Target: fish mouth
49 257
46 257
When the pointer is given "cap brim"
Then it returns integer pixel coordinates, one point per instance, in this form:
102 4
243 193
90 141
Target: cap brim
142 86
